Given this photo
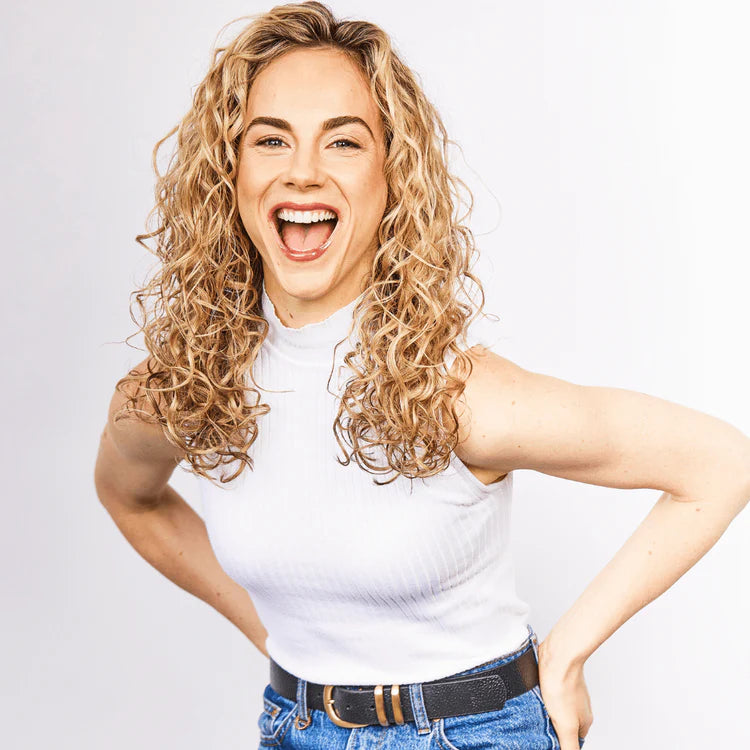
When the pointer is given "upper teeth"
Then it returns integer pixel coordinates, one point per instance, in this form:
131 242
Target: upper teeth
304 217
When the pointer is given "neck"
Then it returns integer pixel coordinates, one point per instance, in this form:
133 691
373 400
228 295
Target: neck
310 343
297 312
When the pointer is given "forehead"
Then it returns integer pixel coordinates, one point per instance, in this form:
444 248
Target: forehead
308 86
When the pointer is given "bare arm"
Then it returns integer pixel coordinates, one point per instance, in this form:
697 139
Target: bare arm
133 467
614 438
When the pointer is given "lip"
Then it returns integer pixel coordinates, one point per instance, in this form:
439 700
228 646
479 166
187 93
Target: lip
312 254
303 207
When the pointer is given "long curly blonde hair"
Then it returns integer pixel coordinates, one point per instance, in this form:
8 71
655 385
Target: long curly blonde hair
205 327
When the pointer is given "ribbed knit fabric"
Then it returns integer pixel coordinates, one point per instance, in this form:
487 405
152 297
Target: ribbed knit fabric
359 584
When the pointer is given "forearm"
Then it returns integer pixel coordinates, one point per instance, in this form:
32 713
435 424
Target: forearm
172 537
669 541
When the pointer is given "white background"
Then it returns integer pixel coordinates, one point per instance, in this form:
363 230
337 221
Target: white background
606 145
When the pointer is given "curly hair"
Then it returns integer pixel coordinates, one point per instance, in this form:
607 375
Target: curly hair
206 325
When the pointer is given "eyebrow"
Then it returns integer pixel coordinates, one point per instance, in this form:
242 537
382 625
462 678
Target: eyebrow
330 124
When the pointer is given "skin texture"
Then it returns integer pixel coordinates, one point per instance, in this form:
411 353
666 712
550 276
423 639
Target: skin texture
307 165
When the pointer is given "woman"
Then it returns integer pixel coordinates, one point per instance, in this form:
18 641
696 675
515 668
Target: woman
310 298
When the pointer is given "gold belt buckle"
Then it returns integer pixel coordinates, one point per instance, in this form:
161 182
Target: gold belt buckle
379 707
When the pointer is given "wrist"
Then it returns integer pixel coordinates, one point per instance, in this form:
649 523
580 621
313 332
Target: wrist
560 655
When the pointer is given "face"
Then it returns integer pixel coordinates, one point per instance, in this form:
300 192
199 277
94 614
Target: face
314 140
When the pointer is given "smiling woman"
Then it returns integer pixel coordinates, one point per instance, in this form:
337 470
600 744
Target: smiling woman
310 205
311 167
325 142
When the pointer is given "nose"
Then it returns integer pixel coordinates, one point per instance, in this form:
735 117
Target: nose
304 168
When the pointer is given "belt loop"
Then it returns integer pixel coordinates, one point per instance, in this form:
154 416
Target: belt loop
300 723
418 708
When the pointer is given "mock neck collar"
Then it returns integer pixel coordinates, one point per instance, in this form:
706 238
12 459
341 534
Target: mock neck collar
312 343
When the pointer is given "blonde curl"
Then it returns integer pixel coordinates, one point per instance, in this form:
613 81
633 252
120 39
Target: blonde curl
205 326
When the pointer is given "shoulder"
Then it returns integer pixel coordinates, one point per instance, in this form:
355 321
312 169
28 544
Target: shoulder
135 458
484 406
133 426
510 416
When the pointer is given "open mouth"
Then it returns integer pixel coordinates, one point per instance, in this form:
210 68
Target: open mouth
305 232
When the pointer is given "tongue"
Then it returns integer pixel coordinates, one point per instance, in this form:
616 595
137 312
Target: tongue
304 237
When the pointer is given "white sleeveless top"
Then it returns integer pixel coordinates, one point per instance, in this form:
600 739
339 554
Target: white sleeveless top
359 584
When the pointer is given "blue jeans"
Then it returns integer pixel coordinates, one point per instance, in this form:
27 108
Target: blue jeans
521 724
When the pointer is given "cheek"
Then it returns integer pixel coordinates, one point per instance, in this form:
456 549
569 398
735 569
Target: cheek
246 187
244 203
250 189
248 201
254 176
372 192
377 197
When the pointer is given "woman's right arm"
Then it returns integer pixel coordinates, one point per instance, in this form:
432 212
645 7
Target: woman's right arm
133 466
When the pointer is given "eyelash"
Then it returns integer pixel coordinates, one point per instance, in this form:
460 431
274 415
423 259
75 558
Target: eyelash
264 142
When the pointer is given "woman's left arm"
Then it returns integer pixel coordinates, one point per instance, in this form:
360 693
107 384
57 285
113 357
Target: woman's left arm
675 534
611 437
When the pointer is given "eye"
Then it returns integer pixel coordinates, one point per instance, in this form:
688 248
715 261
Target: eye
350 144
267 141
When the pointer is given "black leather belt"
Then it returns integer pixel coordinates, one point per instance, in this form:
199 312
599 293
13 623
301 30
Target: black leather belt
360 706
